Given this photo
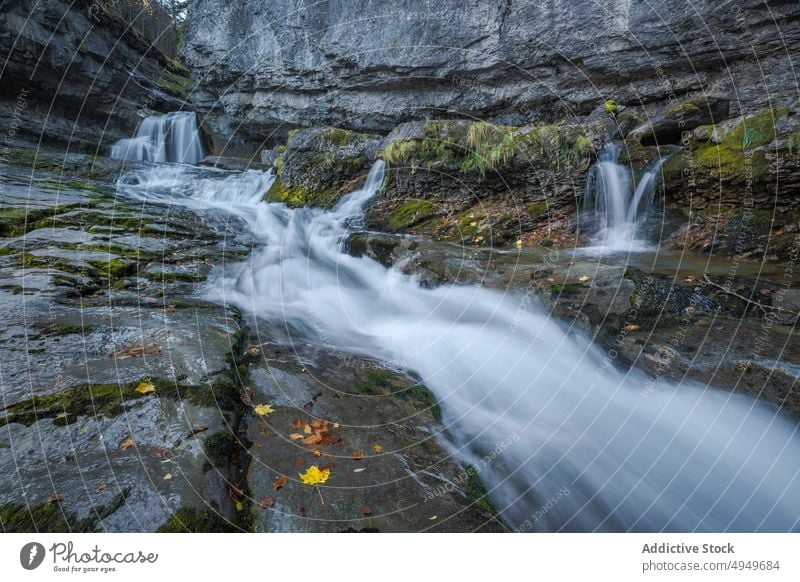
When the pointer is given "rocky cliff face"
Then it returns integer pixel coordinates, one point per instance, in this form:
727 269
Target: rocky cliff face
264 67
74 73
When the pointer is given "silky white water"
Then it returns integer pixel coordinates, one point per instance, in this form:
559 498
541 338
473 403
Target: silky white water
616 208
593 447
172 137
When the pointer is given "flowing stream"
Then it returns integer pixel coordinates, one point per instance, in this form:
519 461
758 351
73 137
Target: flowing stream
591 447
616 208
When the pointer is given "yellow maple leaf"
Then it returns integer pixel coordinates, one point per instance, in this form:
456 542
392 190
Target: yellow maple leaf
145 387
263 409
519 243
313 476
377 448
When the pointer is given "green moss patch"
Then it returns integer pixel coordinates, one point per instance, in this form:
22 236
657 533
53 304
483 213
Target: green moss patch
689 107
90 400
218 448
188 520
484 147
410 213
477 491
537 209
298 196
731 164
43 518
17 221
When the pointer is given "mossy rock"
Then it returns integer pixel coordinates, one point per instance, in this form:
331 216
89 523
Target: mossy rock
89 400
386 382
689 107
42 518
298 196
218 448
537 209
731 164
190 520
411 213
478 493
483 147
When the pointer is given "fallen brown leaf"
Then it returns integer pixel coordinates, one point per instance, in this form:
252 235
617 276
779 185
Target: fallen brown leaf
297 423
329 439
266 502
312 440
55 498
126 444
280 482
357 455
296 437
366 510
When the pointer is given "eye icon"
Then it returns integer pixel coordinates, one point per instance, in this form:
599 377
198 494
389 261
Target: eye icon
31 555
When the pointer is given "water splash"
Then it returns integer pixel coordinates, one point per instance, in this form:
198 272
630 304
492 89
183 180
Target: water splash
615 209
617 450
163 138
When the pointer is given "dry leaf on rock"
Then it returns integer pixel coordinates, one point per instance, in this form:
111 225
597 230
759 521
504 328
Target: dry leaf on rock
314 439
263 409
358 455
126 444
280 482
315 476
146 387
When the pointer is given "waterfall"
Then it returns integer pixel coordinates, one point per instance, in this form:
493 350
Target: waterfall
600 448
613 206
163 138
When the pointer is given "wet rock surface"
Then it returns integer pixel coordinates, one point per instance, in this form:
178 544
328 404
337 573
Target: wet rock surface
320 165
382 441
129 401
114 371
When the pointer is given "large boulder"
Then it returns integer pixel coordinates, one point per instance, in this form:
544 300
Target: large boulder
321 164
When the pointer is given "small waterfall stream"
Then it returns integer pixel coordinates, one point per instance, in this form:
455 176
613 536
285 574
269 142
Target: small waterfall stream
172 137
602 449
615 209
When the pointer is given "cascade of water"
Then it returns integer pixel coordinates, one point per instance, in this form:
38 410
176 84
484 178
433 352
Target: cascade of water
615 208
163 138
600 448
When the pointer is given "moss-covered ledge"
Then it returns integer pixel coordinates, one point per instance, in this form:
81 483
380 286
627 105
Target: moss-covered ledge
320 165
